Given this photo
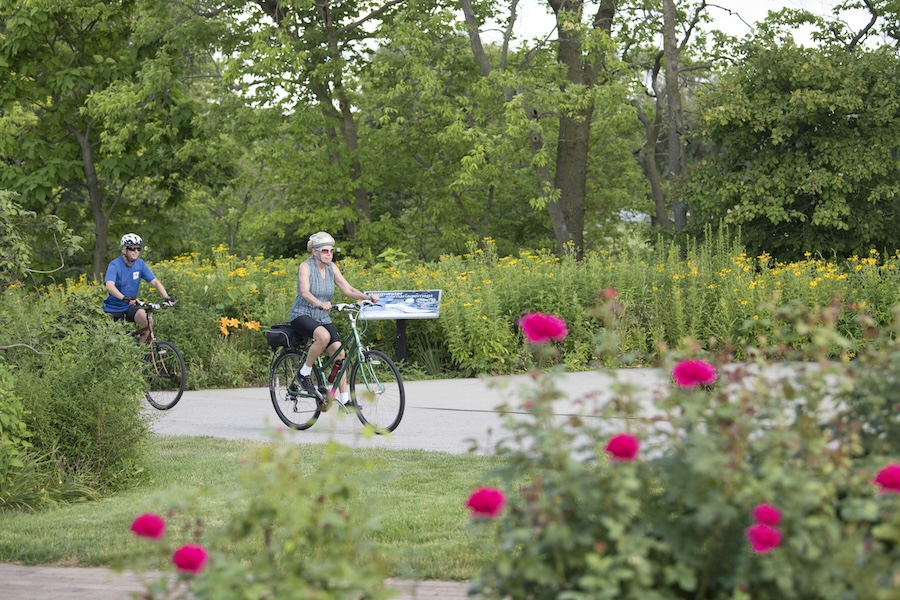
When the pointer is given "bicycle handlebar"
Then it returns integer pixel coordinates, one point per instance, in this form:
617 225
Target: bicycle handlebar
353 307
153 305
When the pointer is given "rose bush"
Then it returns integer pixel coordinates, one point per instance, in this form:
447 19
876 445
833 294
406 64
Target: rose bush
312 546
758 479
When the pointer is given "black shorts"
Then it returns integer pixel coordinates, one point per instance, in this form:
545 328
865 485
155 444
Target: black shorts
305 325
128 315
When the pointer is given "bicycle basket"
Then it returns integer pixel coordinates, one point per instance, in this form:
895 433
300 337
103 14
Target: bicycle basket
281 335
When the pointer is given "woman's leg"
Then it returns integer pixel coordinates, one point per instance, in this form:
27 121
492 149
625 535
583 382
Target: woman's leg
321 337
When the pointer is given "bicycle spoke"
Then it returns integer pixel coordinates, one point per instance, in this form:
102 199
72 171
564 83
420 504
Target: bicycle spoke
166 375
376 389
296 408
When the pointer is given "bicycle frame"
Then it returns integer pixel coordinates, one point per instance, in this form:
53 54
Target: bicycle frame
165 362
352 349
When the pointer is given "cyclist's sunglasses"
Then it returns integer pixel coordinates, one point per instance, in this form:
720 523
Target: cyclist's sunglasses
327 250
133 248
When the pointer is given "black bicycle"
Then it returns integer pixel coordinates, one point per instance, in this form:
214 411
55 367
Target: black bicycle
376 387
164 365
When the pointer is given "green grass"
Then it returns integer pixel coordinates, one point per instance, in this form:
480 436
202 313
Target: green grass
418 498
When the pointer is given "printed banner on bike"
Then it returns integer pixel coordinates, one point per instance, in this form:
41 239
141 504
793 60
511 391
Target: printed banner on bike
403 304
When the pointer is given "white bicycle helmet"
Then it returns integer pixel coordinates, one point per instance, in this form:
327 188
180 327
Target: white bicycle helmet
131 239
322 238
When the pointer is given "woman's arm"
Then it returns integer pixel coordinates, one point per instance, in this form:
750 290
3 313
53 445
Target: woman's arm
349 290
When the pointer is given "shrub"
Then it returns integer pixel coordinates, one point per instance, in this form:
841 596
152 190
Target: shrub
13 432
755 480
83 389
29 480
313 546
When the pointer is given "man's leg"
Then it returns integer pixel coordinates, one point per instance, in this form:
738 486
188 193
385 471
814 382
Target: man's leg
143 319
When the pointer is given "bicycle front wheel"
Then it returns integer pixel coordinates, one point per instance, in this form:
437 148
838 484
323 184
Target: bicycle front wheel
295 407
166 375
376 389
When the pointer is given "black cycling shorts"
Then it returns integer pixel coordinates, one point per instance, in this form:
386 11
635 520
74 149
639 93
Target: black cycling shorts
128 314
305 325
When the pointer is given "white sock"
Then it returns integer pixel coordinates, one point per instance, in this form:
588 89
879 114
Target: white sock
345 397
305 370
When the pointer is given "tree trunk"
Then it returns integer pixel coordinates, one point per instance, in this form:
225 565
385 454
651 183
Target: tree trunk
648 160
569 185
573 147
95 198
348 123
677 165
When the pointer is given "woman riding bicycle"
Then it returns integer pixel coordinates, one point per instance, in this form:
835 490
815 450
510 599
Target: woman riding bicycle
123 280
309 316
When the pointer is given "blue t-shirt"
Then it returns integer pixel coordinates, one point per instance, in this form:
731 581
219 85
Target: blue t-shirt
127 280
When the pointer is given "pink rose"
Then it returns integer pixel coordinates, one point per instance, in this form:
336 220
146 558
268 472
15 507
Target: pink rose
691 373
763 538
190 558
888 479
486 502
540 328
623 447
149 526
766 514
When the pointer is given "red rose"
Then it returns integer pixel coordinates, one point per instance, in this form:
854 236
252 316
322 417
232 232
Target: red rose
149 526
766 514
486 502
691 373
763 538
623 447
888 479
540 328
190 558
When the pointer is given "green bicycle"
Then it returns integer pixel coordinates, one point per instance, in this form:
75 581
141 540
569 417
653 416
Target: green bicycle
376 387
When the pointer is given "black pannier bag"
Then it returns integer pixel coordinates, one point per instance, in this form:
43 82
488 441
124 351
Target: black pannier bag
282 335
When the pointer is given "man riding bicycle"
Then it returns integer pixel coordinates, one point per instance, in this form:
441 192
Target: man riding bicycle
123 280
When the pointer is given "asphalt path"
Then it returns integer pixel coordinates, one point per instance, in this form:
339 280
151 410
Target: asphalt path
447 415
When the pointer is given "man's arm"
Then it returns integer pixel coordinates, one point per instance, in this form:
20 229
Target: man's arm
162 290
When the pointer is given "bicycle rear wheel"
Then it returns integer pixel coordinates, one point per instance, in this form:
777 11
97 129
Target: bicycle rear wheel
376 389
295 407
166 375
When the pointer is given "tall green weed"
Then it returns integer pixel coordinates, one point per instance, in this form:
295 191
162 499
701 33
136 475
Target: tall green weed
81 385
709 290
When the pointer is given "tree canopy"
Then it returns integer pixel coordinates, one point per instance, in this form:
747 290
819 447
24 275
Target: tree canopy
402 125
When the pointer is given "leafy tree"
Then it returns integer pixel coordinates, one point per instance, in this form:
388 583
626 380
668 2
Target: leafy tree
808 148
93 107
19 229
669 76
302 56
569 94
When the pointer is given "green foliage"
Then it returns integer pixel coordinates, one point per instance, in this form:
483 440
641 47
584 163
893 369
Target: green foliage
709 290
313 545
81 385
99 111
28 480
807 150
19 230
13 432
805 437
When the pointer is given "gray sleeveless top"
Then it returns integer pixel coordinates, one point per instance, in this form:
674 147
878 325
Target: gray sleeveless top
321 287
